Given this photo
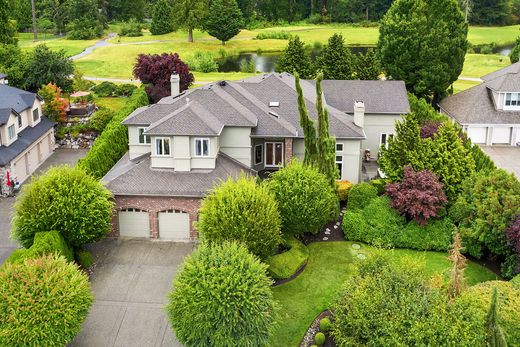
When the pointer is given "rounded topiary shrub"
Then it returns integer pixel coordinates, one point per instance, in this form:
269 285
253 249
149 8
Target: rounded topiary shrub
222 297
67 200
241 211
44 302
325 324
305 198
360 195
319 339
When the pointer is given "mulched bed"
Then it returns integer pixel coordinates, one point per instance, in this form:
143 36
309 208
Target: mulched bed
308 338
330 232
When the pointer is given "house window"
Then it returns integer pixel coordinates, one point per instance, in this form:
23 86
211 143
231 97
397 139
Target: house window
143 139
202 147
273 154
339 165
162 146
11 132
385 138
36 114
512 101
20 122
259 154
339 147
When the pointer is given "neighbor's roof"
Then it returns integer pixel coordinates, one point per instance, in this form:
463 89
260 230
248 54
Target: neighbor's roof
511 69
380 97
136 177
242 104
476 106
25 139
15 99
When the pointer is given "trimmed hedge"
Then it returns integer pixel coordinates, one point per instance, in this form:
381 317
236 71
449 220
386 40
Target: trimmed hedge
284 265
44 302
50 242
380 225
360 196
113 142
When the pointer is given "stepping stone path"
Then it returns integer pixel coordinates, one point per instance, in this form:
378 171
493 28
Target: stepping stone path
361 256
356 246
335 226
327 232
325 238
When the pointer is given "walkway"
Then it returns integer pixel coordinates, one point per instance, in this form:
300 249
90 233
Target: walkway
101 43
505 157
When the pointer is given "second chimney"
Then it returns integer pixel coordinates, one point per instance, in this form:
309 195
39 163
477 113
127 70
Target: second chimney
175 82
359 113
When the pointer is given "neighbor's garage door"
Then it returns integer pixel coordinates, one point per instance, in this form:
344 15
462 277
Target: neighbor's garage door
501 135
134 223
174 225
477 135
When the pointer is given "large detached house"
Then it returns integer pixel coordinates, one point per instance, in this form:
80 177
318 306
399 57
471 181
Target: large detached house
26 137
489 112
188 142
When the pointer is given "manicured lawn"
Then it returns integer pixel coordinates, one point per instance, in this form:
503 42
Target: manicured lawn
478 65
329 265
505 35
71 47
114 104
460 85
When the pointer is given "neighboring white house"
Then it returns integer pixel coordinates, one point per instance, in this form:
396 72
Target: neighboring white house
489 112
26 137
180 147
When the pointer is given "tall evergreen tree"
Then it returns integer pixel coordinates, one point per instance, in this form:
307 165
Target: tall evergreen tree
296 59
162 20
336 61
491 12
515 53
7 27
307 124
190 15
495 336
224 20
424 43
367 66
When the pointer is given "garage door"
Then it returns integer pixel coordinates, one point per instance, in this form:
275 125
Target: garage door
174 225
477 135
20 169
501 135
134 223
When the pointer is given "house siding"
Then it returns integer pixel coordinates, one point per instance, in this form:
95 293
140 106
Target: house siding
375 125
236 142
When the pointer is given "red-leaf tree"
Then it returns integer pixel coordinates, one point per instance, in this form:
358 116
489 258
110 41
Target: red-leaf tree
513 239
419 195
429 129
155 71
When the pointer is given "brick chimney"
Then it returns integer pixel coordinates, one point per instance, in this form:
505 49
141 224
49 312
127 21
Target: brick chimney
175 82
359 113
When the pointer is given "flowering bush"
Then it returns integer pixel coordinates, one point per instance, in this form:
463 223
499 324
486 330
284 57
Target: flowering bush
419 195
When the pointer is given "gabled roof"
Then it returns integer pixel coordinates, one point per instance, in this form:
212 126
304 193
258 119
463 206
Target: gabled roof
511 69
16 99
506 83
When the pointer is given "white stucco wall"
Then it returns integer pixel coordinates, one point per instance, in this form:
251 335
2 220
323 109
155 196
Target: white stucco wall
204 162
375 125
351 155
135 148
236 142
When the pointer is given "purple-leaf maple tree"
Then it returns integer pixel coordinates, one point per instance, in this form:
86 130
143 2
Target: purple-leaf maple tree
155 71
419 195
429 129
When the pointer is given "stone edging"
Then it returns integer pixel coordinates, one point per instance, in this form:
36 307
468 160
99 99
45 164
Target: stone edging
308 338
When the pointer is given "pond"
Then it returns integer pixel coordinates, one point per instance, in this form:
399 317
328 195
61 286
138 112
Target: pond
266 62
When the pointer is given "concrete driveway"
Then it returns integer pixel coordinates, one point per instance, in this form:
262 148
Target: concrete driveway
130 282
505 157
60 156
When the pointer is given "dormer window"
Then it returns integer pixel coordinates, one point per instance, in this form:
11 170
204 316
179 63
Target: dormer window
11 132
20 123
143 139
512 101
202 147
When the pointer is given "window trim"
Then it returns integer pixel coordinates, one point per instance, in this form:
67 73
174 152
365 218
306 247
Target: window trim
337 147
37 114
261 146
387 137
139 134
274 143
342 165
163 147
12 126
201 141
511 107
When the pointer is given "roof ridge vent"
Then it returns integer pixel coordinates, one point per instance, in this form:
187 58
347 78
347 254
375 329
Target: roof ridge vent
274 114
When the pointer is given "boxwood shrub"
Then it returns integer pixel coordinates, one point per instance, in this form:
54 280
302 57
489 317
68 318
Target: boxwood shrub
380 225
221 297
44 302
360 196
44 243
284 265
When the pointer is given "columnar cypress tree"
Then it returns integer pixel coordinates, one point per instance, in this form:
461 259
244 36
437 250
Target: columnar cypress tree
495 336
326 144
336 61
307 124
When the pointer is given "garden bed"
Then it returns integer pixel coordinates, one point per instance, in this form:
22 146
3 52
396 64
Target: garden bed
286 266
330 232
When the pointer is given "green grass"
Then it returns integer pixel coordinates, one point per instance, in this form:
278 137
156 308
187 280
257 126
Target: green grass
112 103
71 47
478 65
460 85
329 265
502 36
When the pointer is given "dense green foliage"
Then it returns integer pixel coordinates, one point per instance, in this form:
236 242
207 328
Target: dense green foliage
44 302
222 297
423 42
243 211
286 264
305 199
224 20
105 89
491 12
361 195
380 225
84 258
64 199
101 119
50 242
295 59
367 66
496 336
162 20
7 27
85 20
390 303
113 142
336 61
515 53
484 210
189 15
132 28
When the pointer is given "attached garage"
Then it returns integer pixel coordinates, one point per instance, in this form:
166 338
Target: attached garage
20 168
134 223
174 225
477 134
501 135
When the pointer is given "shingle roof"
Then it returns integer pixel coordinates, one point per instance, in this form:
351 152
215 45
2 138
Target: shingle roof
244 103
380 97
511 69
476 106
136 177
505 83
25 139
16 99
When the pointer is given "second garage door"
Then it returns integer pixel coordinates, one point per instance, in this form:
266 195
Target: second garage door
174 225
134 223
477 135
501 135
